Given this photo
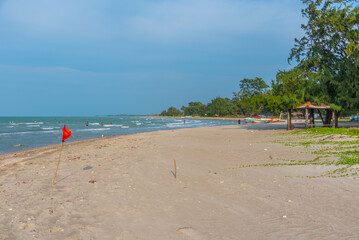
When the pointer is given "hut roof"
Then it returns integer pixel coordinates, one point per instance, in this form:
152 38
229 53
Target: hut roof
313 106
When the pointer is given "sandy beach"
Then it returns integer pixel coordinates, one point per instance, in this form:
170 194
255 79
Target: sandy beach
123 187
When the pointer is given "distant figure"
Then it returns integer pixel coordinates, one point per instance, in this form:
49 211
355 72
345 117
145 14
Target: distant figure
111 123
87 124
101 123
184 121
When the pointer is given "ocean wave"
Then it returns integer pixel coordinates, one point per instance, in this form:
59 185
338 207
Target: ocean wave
91 129
47 128
33 126
55 131
14 133
125 126
36 123
114 125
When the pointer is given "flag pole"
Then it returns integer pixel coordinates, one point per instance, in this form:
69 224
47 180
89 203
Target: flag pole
53 181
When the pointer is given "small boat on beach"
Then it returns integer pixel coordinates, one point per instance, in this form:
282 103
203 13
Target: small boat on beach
257 120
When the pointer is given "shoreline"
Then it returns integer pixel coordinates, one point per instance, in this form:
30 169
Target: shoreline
56 146
26 134
201 118
123 187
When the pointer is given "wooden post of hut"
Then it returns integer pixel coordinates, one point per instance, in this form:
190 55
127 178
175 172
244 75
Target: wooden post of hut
311 118
306 118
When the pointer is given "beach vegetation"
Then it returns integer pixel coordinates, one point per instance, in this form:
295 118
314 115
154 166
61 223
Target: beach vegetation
329 52
172 111
329 131
221 107
194 109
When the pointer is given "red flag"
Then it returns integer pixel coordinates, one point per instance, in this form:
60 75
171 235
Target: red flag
66 133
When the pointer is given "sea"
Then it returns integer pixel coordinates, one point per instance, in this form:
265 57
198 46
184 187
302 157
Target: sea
19 133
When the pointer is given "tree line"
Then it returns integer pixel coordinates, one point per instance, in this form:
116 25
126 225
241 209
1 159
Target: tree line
326 69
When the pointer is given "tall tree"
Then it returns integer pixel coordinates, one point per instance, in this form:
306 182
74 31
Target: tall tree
250 98
289 90
194 109
172 111
250 88
329 50
221 107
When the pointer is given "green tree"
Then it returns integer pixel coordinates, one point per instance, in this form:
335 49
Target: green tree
194 109
172 111
221 107
250 88
250 98
289 90
329 50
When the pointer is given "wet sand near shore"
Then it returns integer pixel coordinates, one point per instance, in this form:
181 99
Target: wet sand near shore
123 187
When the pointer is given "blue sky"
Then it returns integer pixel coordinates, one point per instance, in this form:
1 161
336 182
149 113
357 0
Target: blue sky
95 57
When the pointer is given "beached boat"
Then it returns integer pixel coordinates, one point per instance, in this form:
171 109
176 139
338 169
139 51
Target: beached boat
257 120
274 120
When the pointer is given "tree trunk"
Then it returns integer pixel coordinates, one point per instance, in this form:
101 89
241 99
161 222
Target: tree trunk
321 116
289 119
336 118
328 117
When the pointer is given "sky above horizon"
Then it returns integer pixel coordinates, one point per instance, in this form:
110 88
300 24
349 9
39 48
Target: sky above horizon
95 57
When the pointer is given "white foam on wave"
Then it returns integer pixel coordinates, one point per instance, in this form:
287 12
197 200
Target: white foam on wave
174 125
14 133
95 124
114 125
138 124
47 128
34 125
55 131
92 129
125 126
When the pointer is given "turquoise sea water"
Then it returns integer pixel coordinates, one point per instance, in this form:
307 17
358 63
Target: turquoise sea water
33 132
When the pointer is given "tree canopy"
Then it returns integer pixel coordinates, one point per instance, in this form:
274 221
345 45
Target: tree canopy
329 51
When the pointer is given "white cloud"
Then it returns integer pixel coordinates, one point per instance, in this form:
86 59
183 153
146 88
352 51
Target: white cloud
193 19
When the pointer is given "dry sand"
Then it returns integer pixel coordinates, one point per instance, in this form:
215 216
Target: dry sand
123 187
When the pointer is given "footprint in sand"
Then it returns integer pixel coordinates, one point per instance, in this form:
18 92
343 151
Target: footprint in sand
191 233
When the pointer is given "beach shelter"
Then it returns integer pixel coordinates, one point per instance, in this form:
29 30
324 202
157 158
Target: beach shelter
309 108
